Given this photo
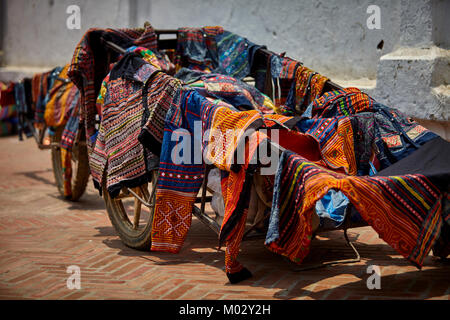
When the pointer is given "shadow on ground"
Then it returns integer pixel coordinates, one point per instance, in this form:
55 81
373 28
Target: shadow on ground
331 246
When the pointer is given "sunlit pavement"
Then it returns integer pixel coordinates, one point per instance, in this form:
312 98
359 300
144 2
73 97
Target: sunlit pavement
41 235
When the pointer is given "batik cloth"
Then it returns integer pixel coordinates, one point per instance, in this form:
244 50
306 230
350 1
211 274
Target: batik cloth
90 66
404 210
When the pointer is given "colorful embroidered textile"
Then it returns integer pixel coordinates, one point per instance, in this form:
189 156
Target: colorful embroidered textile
235 92
68 137
39 85
59 100
8 110
7 127
180 180
383 135
367 143
117 147
404 210
46 84
282 74
335 136
307 86
157 99
344 102
90 66
233 183
401 135
157 59
234 54
197 48
327 119
135 102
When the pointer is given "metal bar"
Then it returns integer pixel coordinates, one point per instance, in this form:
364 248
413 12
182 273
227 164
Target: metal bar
137 213
334 262
207 220
48 146
207 199
204 188
145 203
113 46
166 31
253 227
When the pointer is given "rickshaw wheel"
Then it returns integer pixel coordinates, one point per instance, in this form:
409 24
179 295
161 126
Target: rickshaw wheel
80 167
131 219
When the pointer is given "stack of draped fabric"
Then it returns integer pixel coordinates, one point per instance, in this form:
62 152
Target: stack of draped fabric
340 148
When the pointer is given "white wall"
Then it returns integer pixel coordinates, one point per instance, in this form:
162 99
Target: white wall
330 36
35 32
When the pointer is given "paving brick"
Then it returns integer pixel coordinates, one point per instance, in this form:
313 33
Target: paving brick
41 235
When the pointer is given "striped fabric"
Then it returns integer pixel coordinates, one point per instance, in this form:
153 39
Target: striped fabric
308 85
117 147
68 138
61 98
327 120
89 67
157 100
282 76
8 112
404 210
338 103
40 85
179 183
234 92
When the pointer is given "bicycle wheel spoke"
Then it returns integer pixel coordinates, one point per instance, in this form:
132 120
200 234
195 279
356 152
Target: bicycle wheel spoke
137 209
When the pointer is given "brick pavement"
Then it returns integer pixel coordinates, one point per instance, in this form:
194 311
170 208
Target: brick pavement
41 235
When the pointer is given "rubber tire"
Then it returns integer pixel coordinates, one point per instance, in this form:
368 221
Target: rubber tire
80 178
135 239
